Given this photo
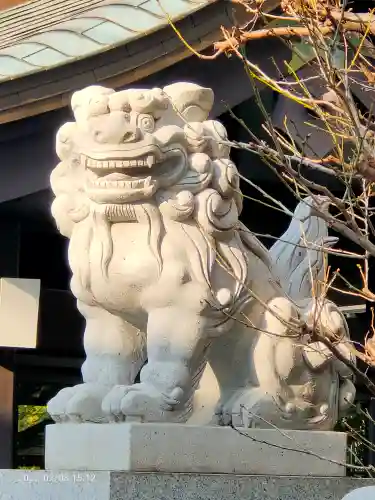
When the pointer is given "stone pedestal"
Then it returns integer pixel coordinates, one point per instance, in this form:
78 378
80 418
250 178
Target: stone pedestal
191 449
78 485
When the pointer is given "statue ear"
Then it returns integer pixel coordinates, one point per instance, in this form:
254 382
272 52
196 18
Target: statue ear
90 101
192 101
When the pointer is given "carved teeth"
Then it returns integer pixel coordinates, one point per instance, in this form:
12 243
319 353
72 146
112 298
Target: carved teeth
101 164
137 183
134 184
150 160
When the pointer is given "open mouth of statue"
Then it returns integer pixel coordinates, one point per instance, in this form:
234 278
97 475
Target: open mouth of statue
118 174
118 180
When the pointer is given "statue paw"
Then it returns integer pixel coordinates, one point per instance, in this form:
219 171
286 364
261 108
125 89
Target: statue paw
141 402
254 408
81 403
236 409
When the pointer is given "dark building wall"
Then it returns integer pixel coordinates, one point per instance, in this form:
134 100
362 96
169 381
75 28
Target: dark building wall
26 161
9 248
6 417
9 256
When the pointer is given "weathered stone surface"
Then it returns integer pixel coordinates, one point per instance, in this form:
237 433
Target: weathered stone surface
62 485
219 487
194 449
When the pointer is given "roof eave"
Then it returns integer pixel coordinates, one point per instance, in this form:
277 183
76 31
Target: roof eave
45 91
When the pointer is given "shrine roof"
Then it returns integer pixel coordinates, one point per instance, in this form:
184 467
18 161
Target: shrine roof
42 34
51 48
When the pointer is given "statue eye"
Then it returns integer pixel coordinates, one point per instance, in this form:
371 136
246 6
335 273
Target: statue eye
146 123
98 135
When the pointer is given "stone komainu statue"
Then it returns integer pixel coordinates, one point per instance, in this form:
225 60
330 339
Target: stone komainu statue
163 270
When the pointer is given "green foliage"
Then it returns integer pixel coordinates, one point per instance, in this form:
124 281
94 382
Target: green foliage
32 467
29 415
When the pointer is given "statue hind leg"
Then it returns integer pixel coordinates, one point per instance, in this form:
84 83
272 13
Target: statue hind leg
252 363
230 359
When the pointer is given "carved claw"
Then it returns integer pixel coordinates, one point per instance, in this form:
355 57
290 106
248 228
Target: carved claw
135 400
57 407
141 402
81 403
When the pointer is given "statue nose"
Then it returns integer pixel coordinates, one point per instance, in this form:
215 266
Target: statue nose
114 128
131 135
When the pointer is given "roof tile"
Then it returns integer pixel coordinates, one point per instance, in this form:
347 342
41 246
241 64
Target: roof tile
108 33
46 56
44 33
10 66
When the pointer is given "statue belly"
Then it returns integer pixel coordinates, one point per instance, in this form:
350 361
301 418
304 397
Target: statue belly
117 286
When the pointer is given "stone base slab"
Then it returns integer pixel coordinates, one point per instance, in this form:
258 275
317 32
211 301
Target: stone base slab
179 448
78 485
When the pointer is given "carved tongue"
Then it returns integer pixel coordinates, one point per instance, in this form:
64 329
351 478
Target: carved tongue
116 176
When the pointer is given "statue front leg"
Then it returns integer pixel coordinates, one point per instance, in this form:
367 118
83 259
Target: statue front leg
115 352
176 355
